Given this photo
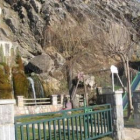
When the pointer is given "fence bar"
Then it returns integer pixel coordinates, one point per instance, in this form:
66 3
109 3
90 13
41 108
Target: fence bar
21 132
72 128
59 129
80 123
44 131
101 120
49 127
76 128
54 127
28 132
87 119
98 120
16 133
95 124
33 131
85 126
37 103
68 127
39 131
91 118
105 122
36 99
64 131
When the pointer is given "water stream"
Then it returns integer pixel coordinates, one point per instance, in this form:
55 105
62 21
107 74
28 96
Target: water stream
33 87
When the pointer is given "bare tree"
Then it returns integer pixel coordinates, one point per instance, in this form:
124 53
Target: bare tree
115 41
70 42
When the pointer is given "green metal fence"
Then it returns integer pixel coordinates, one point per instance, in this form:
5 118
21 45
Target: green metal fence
77 124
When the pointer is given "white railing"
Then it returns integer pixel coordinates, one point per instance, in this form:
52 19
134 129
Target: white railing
52 100
37 101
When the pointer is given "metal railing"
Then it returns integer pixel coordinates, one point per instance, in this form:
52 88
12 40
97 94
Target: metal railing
78 124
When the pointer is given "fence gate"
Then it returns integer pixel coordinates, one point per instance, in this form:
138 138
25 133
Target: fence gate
85 123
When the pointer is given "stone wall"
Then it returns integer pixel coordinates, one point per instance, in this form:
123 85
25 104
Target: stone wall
36 109
7 129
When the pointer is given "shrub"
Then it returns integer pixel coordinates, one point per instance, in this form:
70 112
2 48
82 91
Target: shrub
5 84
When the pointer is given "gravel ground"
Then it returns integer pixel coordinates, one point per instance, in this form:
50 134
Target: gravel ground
132 133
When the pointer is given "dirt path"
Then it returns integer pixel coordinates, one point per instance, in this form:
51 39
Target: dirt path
132 134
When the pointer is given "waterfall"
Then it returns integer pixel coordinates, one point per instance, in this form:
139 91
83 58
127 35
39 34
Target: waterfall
33 87
7 52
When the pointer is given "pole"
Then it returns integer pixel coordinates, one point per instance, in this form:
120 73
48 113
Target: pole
113 81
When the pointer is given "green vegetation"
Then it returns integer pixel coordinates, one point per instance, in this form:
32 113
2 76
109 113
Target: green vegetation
128 122
63 86
5 85
106 138
20 82
1 54
48 89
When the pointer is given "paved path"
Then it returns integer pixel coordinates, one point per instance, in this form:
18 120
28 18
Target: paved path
132 134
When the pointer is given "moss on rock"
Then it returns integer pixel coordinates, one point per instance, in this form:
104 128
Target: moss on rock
5 84
20 82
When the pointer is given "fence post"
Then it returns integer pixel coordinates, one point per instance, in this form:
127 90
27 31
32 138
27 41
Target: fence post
54 99
62 98
116 101
7 129
20 102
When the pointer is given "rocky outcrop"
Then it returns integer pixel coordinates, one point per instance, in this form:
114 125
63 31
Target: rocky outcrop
36 28
32 22
41 64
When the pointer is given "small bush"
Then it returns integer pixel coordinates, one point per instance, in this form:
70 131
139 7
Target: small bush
20 82
5 84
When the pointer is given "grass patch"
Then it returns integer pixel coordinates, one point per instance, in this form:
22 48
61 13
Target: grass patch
128 122
106 138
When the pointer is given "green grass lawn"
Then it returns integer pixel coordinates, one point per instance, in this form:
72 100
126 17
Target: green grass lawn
106 138
68 136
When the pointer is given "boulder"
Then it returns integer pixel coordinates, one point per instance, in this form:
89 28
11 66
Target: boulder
89 80
41 63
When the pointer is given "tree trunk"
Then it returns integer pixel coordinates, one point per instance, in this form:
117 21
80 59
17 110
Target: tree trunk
69 69
130 106
125 61
86 94
71 87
